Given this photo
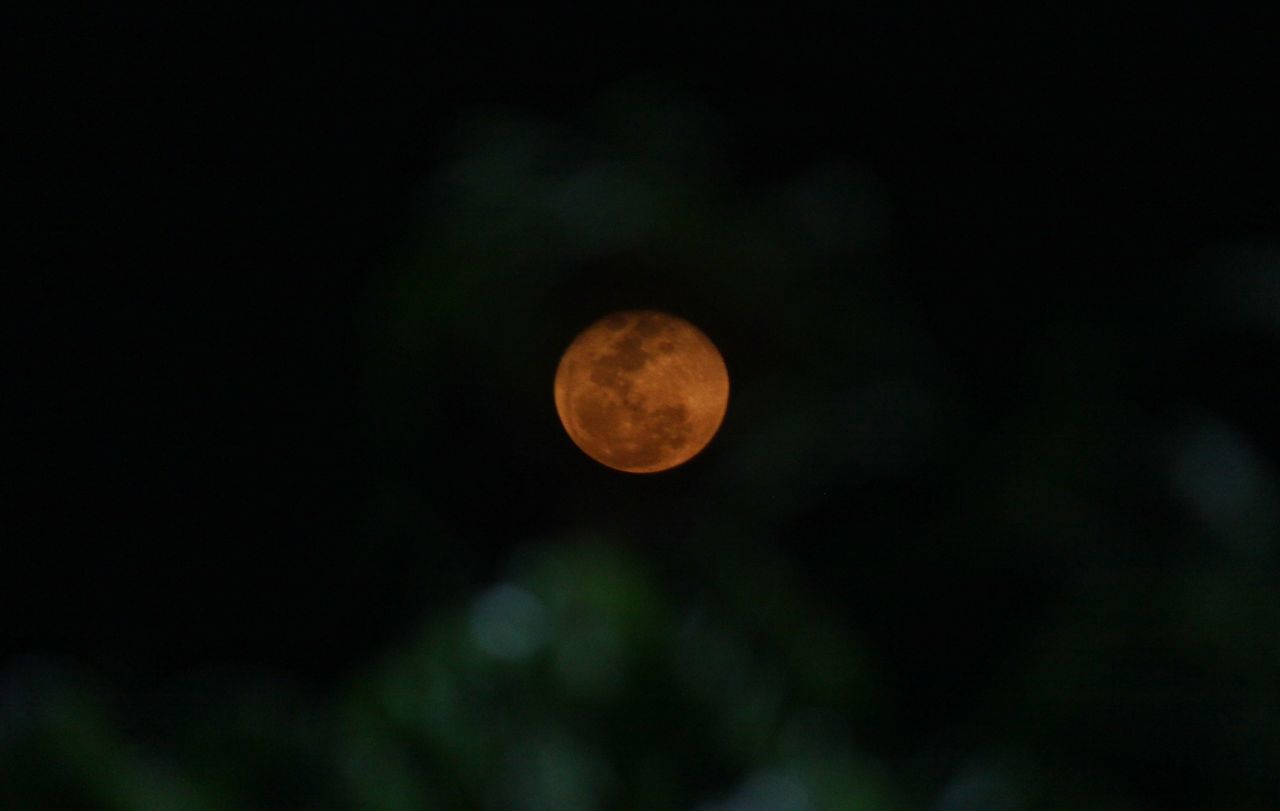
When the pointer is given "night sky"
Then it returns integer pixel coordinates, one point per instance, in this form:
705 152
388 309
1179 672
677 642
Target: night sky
213 213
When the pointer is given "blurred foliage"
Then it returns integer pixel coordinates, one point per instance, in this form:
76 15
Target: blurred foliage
686 647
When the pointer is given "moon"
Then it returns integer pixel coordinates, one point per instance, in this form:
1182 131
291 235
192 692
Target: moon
641 391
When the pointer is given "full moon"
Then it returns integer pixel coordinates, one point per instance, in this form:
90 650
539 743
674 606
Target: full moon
641 391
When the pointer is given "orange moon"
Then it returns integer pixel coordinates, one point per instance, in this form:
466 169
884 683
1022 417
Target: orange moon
641 391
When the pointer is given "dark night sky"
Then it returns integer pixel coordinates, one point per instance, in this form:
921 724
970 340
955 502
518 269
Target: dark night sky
206 205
